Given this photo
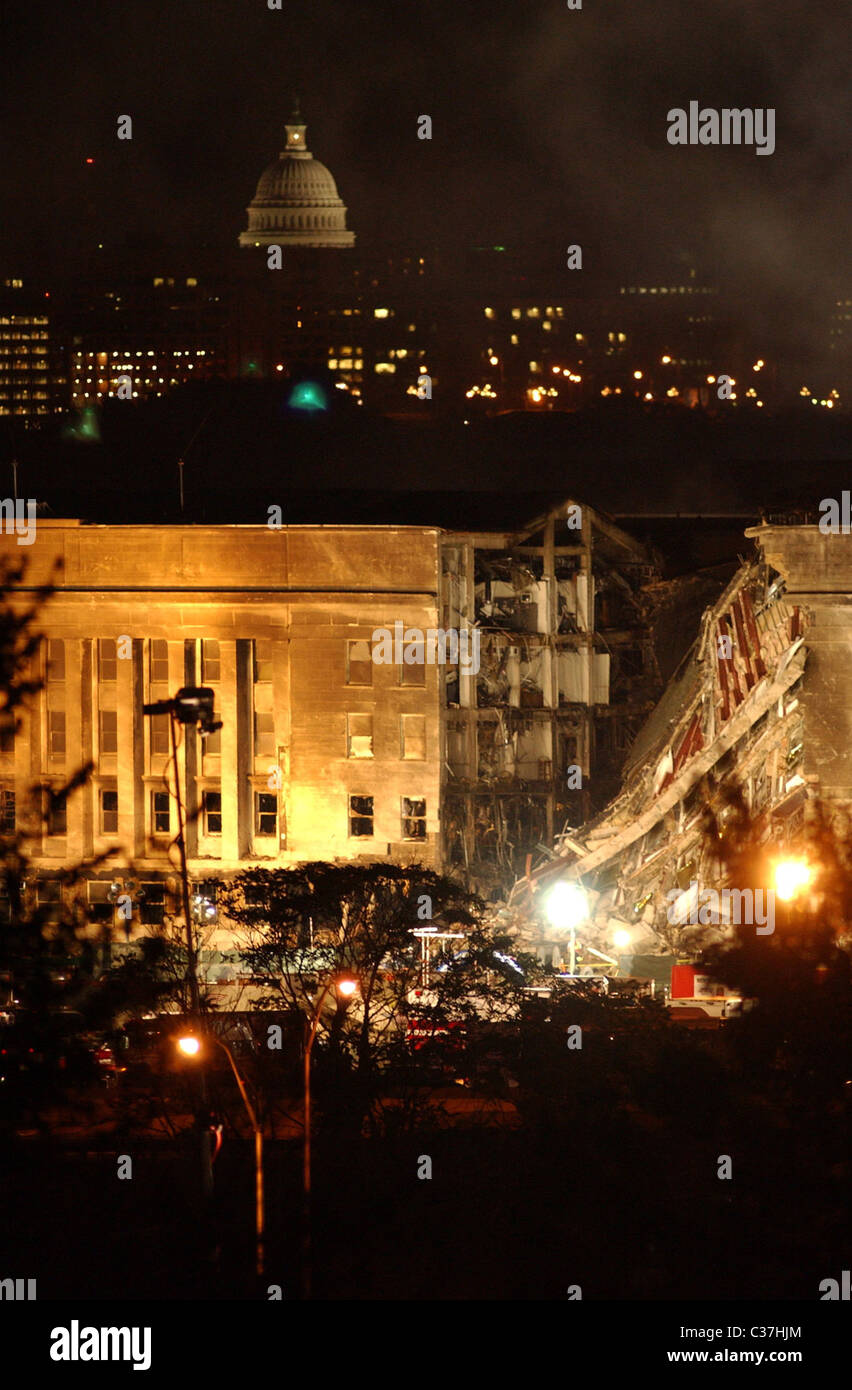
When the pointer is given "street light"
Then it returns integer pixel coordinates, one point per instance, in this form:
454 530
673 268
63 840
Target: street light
191 705
190 1046
346 987
566 906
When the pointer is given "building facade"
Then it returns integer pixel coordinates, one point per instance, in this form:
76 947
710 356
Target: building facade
322 754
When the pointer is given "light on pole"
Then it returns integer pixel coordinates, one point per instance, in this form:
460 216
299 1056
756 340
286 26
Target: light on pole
346 987
192 705
566 906
190 1046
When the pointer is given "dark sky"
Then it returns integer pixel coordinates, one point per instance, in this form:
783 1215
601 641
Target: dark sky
548 123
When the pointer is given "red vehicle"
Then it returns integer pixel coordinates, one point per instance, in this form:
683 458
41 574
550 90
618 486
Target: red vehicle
422 1032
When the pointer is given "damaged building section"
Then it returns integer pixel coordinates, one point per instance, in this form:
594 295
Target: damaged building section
536 737
741 715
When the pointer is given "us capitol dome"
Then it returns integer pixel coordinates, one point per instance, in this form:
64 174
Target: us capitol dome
296 203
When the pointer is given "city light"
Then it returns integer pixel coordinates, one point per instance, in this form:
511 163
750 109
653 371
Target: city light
566 905
621 938
347 987
189 1046
791 876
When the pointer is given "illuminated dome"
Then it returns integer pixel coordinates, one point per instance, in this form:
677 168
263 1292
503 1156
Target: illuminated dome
296 203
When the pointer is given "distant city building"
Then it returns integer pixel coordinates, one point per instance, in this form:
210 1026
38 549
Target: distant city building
33 365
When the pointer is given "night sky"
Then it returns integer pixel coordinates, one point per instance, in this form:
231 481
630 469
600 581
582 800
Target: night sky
548 124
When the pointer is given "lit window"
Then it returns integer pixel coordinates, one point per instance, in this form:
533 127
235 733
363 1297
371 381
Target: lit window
381 313
413 818
360 817
359 735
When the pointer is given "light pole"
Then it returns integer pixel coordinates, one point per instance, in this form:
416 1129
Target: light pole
190 1046
193 705
346 987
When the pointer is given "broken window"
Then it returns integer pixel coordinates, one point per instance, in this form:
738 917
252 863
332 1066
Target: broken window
413 818
359 663
359 736
360 817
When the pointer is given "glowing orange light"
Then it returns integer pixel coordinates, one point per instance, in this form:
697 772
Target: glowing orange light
791 876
